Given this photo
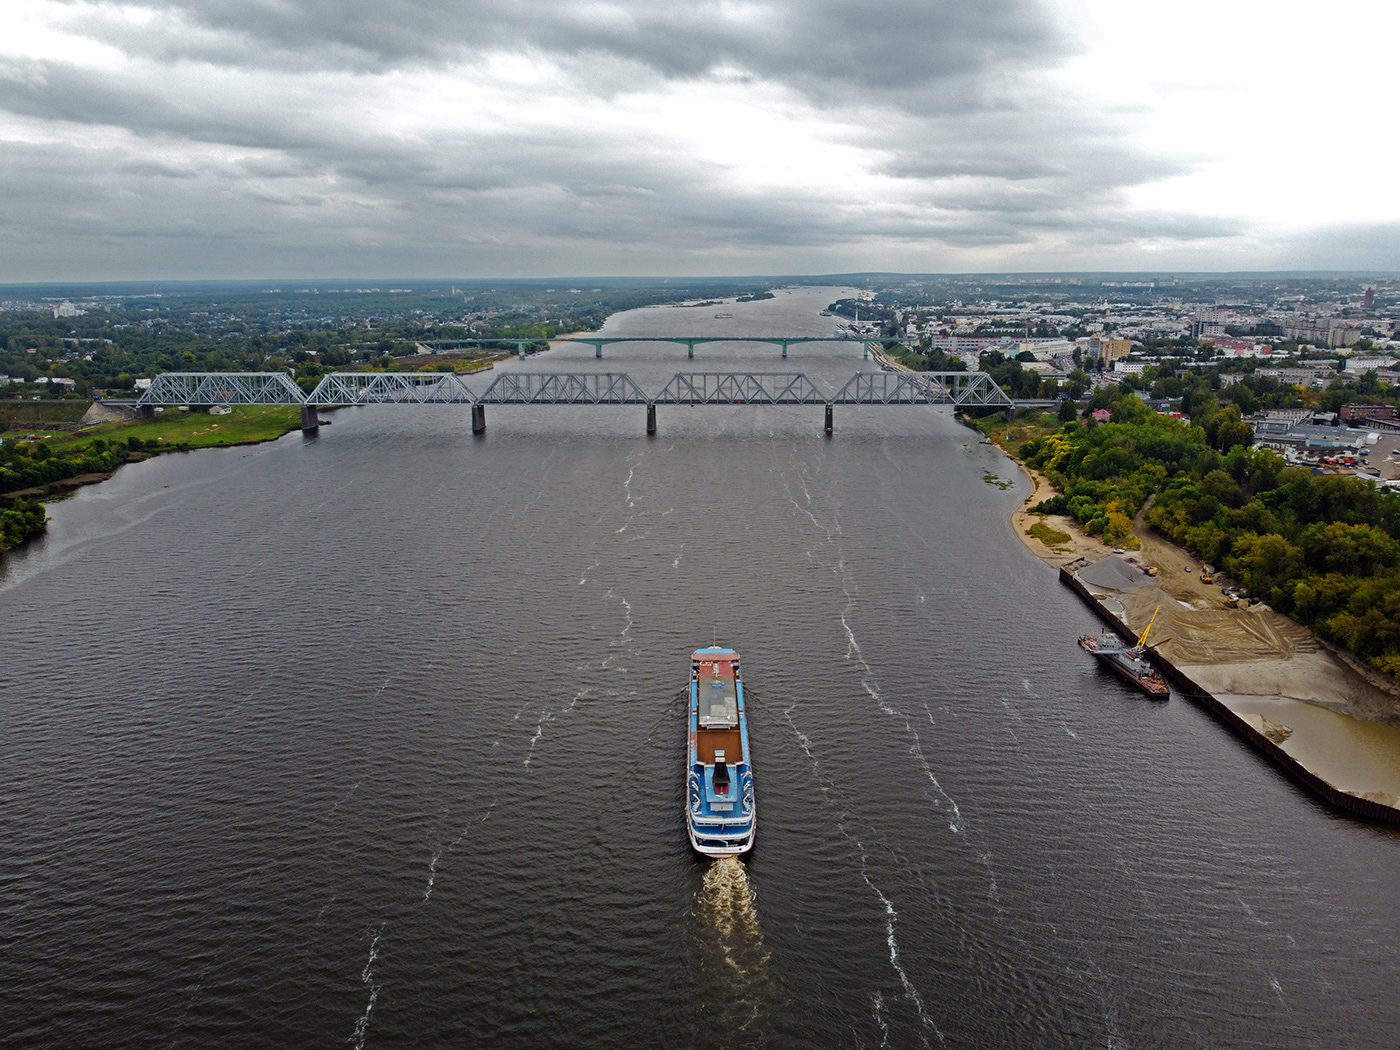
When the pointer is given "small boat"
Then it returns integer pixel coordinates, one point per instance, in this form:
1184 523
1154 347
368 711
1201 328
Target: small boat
720 815
1129 661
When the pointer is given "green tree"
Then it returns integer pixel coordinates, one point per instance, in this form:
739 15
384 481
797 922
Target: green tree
1353 550
1263 562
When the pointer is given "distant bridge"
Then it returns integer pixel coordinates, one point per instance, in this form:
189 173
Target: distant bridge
689 342
958 389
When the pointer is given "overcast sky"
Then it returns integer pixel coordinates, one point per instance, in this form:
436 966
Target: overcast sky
304 138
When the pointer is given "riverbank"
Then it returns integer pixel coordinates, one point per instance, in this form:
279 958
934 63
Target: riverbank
1333 727
139 440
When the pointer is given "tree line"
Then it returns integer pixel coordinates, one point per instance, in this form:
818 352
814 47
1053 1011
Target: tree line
1324 549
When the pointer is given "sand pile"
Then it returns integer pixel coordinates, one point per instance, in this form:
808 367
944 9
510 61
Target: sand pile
1113 574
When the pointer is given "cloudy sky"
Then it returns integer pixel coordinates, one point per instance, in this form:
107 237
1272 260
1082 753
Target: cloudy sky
162 139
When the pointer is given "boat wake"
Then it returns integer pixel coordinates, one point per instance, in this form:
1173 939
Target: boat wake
367 978
869 681
732 958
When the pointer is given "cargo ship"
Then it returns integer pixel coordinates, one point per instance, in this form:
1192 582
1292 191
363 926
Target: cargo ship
720 815
1129 661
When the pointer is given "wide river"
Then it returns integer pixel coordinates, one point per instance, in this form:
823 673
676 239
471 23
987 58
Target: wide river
376 739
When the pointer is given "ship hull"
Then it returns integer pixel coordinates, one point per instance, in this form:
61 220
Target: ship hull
1130 665
721 816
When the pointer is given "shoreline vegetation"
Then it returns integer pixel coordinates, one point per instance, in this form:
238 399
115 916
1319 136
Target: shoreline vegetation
1246 648
1241 654
1323 550
57 464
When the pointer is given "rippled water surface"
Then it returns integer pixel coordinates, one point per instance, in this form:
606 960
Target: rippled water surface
377 739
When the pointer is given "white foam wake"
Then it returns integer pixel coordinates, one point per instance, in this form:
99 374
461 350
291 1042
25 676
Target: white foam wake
367 978
891 918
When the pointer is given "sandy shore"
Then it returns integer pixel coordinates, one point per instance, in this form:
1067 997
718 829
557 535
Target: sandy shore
1230 652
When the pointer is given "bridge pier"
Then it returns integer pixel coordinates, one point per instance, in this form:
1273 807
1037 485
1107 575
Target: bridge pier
310 420
826 428
478 419
690 346
146 412
520 350
651 418
785 351
599 348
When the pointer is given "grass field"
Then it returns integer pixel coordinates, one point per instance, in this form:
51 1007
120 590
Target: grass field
1026 426
32 416
1047 535
246 425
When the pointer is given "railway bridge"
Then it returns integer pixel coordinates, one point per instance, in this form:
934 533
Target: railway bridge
337 389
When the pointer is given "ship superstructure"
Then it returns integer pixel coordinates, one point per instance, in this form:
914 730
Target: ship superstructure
721 817
1129 661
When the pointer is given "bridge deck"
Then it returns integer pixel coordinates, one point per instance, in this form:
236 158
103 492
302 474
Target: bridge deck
961 389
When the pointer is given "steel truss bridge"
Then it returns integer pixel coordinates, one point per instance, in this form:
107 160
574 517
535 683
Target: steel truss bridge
337 389
689 342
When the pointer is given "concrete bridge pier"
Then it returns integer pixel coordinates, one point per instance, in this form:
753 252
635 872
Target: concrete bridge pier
826 428
478 419
310 419
598 348
785 351
690 345
520 350
146 412
651 418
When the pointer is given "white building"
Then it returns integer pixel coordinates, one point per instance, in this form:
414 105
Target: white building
1358 365
1045 349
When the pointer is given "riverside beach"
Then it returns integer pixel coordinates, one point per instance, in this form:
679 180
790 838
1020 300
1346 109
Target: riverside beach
1328 721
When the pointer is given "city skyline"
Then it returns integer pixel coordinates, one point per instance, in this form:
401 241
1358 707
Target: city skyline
204 139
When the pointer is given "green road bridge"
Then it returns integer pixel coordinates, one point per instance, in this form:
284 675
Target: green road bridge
523 346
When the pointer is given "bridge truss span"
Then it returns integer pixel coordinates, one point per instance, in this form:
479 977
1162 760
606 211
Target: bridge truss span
957 389
392 388
740 388
564 388
961 389
223 388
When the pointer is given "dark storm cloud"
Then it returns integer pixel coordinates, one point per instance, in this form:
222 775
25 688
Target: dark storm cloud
829 46
460 136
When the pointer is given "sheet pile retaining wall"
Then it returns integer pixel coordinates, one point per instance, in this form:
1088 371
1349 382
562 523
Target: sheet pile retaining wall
1301 775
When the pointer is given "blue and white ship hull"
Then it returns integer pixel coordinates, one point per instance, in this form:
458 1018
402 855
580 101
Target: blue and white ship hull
721 817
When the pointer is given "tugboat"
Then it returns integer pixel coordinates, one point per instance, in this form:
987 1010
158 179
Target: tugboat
1129 661
720 816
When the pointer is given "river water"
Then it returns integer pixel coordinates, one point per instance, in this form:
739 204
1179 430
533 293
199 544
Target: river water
376 739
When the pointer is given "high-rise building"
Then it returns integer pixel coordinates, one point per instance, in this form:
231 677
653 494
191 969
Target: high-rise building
1109 350
1369 299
